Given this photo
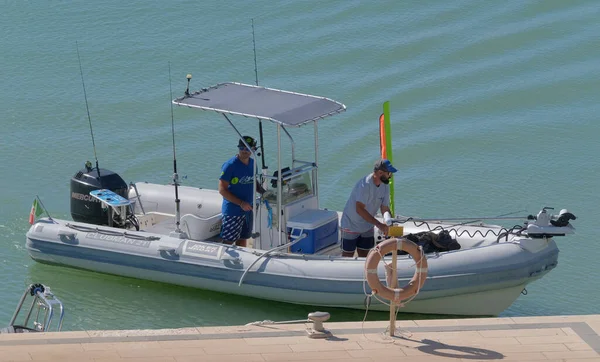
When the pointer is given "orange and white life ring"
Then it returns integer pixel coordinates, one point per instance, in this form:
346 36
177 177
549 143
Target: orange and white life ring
413 286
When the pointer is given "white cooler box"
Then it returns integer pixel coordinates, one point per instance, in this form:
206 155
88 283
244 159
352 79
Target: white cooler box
321 227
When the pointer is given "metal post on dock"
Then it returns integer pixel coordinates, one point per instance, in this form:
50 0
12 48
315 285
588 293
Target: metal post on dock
393 285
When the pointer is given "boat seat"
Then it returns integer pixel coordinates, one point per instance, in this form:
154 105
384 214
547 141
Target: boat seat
149 219
199 228
163 227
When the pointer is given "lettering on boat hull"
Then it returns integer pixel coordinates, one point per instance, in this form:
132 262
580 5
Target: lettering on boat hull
119 239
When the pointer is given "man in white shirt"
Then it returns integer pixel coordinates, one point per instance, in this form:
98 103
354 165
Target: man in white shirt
371 193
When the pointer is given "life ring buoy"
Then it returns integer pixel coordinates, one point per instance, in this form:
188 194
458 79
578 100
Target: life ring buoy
413 286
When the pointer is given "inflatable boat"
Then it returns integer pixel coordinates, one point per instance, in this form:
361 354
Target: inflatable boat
170 233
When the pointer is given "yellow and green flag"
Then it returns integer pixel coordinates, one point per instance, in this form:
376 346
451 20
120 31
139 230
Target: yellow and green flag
385 144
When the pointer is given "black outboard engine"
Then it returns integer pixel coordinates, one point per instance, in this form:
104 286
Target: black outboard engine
84 207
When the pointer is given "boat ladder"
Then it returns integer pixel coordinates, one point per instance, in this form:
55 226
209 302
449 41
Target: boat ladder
43 306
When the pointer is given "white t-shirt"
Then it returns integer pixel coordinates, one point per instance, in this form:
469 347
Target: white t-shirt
372 196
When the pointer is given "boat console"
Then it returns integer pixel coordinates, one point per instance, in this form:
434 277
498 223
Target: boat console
300 215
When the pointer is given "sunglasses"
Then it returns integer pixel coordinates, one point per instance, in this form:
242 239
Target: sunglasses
242 148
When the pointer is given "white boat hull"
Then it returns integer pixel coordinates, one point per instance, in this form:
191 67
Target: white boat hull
489 283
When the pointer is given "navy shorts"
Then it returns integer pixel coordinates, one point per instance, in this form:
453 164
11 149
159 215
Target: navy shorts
352 241
236 227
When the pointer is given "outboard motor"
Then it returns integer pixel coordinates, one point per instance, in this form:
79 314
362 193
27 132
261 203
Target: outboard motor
547 225
84 207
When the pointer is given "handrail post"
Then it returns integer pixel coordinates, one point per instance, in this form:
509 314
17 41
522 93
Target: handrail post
393 285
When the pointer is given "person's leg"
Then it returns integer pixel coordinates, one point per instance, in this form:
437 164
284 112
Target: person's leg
231 228
246 230
349 244
365 243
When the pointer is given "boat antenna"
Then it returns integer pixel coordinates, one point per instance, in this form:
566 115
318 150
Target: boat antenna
187 90
177 231
260 130
254 48
88 113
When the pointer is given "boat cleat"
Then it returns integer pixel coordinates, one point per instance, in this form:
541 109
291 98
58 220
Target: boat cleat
317 330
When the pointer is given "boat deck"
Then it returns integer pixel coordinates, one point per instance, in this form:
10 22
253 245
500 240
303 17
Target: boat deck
559 338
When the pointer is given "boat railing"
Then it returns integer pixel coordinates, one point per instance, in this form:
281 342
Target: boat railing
303 163
42 309
136 200
300 236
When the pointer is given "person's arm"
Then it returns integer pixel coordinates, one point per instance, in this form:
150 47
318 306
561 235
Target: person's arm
385 204
385 209
362 211
229 196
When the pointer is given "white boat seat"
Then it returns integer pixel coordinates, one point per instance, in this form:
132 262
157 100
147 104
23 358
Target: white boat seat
164 227
199 228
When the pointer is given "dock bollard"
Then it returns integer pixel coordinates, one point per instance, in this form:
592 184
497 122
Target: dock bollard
317 330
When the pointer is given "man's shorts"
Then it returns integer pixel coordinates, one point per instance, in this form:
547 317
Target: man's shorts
236 227
352 241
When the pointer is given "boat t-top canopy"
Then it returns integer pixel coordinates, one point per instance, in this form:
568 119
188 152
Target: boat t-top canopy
279 106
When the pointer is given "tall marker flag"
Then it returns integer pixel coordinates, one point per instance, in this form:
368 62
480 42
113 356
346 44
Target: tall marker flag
36 210
385 144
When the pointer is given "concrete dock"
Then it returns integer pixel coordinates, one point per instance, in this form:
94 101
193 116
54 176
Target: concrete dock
557 338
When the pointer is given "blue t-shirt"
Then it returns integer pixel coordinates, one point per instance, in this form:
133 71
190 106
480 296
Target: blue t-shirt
241 181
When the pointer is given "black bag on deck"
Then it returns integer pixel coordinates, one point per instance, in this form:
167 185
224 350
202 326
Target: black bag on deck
432 242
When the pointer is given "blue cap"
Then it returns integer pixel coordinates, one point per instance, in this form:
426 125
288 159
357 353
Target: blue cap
384 165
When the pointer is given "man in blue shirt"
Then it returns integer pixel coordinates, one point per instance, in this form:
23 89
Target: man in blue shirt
235 185
371 193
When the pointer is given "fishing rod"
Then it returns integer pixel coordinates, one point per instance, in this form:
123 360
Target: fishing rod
260 130
175 176
88 114
254 48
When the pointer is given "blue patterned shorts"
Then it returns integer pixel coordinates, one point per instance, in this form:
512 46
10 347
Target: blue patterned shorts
236 227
